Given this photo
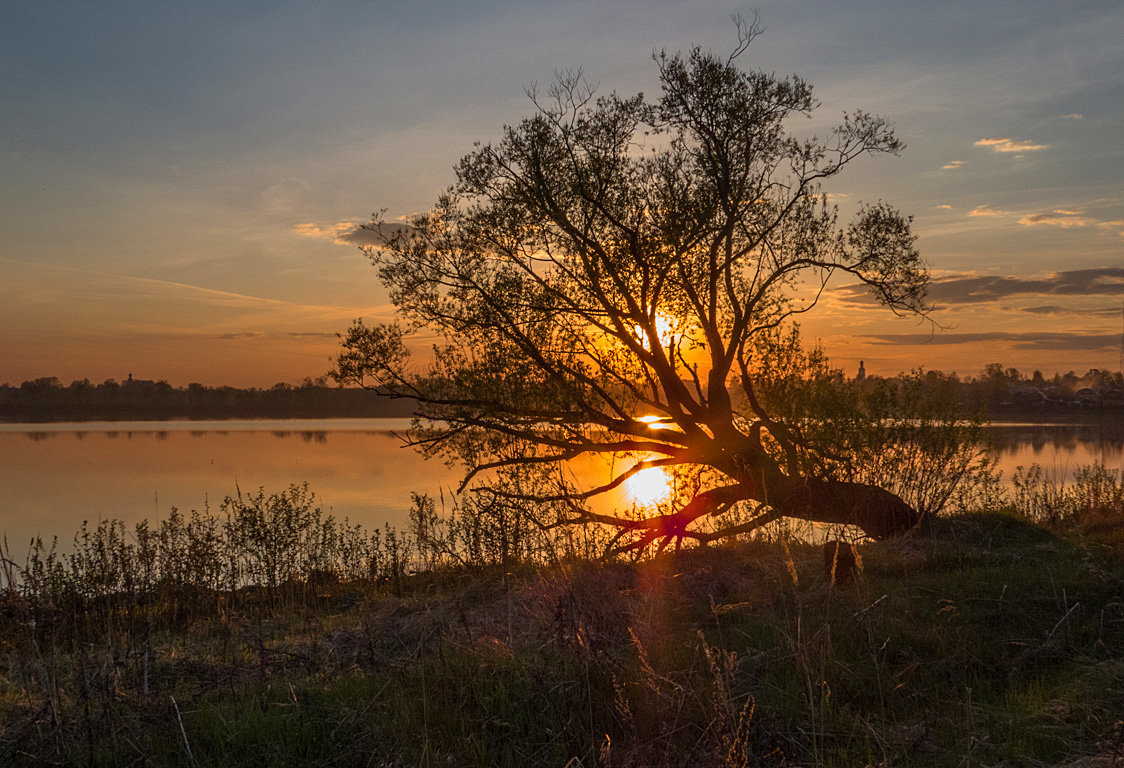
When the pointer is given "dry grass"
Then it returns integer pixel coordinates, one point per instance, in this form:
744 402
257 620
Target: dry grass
988 641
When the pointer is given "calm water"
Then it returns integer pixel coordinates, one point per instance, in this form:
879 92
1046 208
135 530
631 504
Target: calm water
1058 447
54 476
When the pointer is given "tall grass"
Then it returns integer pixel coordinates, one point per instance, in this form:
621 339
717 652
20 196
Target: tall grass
261 548
258 553
474 636
1044 496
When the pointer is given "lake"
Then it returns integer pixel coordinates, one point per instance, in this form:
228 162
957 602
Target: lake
53 476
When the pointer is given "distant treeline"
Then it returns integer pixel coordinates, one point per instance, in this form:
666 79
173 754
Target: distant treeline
997 389
994 390
47 399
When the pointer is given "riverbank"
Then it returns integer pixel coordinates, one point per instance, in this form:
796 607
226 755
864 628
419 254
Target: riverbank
990 641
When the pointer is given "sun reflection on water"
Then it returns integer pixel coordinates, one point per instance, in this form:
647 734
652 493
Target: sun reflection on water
648 487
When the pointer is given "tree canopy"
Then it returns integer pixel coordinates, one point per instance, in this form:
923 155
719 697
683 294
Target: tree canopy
615 277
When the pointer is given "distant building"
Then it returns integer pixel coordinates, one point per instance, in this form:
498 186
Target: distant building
1087 396
862 372
1028 394
137 385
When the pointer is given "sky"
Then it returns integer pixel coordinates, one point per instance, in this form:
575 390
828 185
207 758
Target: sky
180 182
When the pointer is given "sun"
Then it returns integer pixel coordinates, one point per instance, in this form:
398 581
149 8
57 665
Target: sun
666 330
648 487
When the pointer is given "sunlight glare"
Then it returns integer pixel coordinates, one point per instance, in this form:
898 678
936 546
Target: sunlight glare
648 486
665 330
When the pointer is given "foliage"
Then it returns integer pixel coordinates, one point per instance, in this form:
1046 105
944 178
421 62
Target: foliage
1095 492
613 260
909 434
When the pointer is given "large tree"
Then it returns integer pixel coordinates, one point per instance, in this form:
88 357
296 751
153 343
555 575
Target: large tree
611 278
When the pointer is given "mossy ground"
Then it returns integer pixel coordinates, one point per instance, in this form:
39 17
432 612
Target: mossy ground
987 641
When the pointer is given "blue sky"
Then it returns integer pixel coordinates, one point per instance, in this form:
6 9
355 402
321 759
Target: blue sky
177 179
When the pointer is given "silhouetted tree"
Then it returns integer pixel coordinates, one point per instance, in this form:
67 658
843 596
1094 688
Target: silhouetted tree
609 279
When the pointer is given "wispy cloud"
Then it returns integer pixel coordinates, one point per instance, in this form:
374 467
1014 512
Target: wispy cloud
1073 116
350 232
1007 144
241 335
151 303
952 165
1059 217
1054 309
1026 340
967 289
340 233
976 289
945 207
1064 218
276 335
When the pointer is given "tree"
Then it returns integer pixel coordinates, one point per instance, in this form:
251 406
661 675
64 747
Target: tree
612 279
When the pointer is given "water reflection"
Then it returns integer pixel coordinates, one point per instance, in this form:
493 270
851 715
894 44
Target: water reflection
54 476
1057 447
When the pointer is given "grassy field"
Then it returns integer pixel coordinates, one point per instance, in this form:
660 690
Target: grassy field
988 641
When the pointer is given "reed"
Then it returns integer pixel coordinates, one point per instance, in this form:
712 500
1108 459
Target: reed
266 632
1095 491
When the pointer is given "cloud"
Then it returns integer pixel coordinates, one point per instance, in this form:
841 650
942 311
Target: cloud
341 233
350 232
1007 144
945 207
241 335
953 165
1073 116
1053 309
1064 218
276 335
1027 340
969 289
977 289
1057 218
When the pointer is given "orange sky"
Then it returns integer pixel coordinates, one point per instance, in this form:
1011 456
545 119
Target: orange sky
180 190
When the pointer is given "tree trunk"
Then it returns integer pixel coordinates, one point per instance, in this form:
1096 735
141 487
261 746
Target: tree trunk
879 513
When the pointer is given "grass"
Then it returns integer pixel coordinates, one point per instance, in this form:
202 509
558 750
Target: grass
988 640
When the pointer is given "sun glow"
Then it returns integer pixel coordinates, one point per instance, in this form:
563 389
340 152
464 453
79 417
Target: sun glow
666 330
648 486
